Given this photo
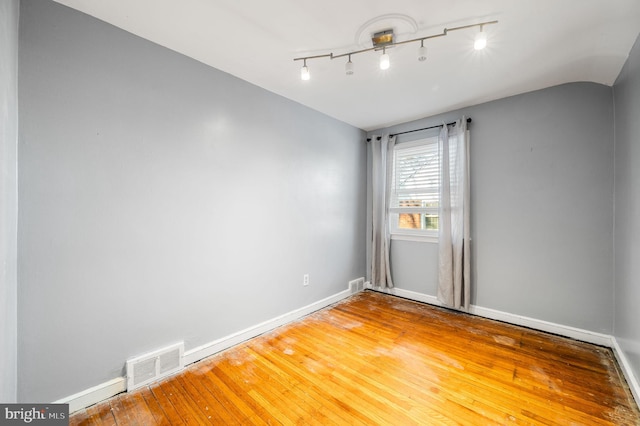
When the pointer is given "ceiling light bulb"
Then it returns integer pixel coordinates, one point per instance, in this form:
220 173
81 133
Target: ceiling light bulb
348 67
384 61
480 41
304 73
422 53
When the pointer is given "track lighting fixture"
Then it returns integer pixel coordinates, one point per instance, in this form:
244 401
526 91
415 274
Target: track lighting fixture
480 41
422 52
384 60
304 72
348 67
385 39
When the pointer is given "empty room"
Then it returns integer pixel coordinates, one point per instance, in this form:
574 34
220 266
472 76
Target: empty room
295 212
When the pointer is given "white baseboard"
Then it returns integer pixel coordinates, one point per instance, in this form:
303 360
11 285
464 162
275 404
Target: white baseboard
536 324
625 366
118 385
408 294
94 395
549 327
201 352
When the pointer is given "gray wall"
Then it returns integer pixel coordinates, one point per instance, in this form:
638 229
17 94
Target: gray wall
163 200
9 11
542 207
627 208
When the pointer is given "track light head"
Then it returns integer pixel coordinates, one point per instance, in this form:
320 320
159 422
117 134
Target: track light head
384 60
480 41
348 67
304 72
422 52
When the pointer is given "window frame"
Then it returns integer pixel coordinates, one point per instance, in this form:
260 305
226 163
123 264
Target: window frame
420 235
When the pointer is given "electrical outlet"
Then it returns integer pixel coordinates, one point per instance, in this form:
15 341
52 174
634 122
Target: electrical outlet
305 279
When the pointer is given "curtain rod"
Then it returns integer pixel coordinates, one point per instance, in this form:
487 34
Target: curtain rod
418 130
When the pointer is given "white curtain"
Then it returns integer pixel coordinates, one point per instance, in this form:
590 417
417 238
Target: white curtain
454 275
382 159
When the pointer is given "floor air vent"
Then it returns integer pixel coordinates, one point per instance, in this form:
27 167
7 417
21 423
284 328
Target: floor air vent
155 365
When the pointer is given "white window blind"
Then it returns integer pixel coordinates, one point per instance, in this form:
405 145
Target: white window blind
415 189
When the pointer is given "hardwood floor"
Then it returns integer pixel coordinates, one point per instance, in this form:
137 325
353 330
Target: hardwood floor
377 359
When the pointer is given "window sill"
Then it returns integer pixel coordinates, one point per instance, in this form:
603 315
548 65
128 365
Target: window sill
416 238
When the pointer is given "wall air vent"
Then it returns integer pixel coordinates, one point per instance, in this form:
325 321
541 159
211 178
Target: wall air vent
356 285
152 366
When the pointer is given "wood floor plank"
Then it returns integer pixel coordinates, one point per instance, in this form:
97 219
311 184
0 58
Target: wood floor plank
323 409
363 375
149 402
307 380
379 359
265 395
198 376
475 358
238 401
189 414
102 414
206 403
169 412
407 384
78 418
150 414
284 394
119 413
344 394
136 408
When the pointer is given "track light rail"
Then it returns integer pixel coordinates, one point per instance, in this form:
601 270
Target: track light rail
397 43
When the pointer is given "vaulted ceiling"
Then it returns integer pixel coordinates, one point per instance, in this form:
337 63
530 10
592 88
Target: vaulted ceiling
535 44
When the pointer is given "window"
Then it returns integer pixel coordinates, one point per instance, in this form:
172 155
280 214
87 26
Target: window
415 190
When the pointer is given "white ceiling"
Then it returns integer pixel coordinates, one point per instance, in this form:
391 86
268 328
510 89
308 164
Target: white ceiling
536 44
